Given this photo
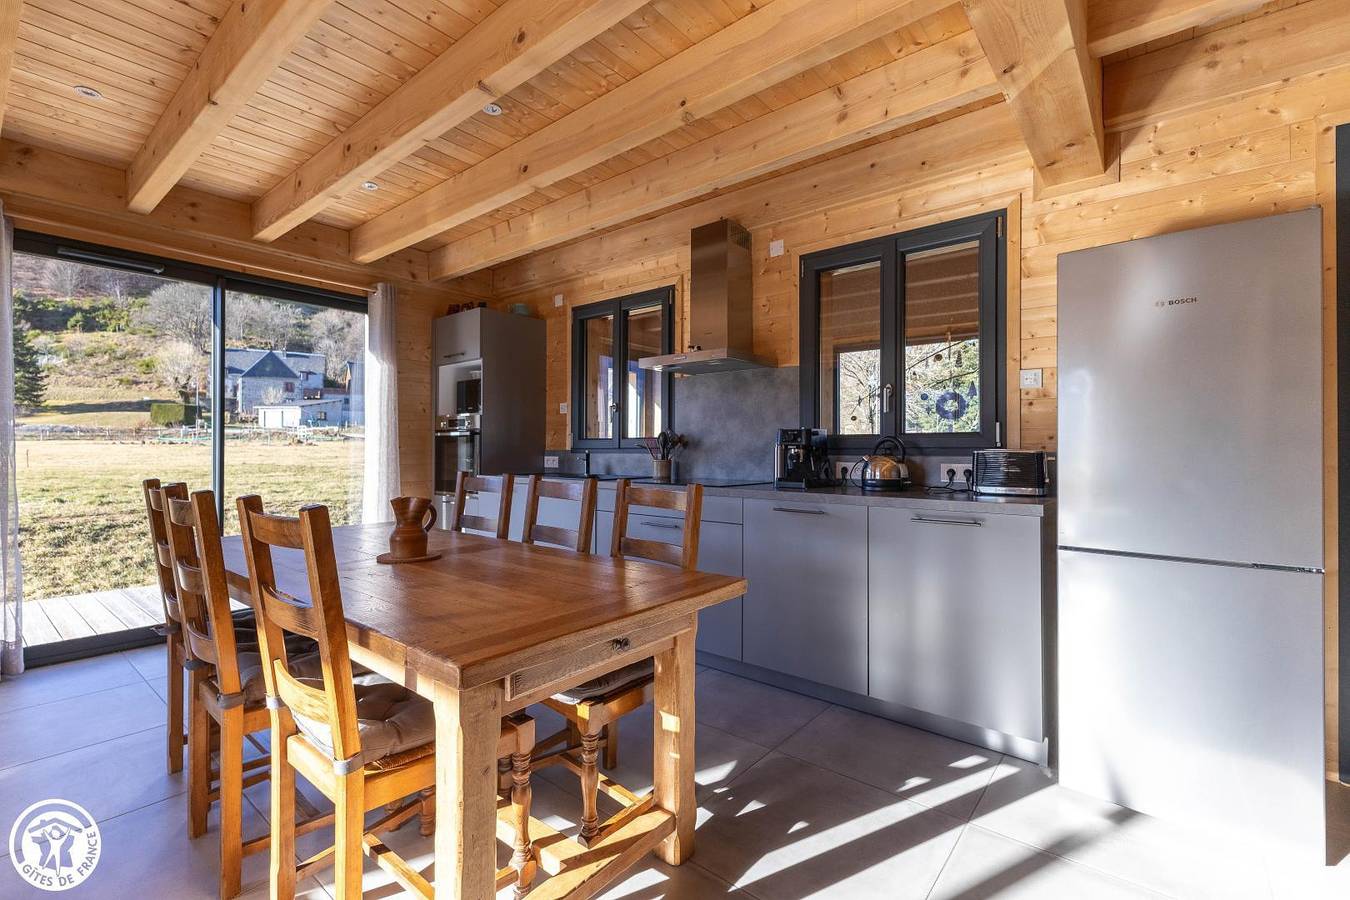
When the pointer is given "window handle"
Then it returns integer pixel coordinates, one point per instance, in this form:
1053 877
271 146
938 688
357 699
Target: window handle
886 392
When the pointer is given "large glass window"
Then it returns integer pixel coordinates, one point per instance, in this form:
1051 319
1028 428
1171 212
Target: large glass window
901 335
117 359
611 337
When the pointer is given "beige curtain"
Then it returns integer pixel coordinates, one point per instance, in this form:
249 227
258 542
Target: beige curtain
381 483
11 571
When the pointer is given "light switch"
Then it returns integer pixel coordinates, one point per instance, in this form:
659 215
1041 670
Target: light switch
1031 378
776 247
550 462
562 409
557 299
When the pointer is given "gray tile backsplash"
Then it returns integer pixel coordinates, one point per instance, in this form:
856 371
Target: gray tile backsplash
732 419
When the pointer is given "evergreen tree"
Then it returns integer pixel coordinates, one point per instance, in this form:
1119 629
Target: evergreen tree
30 381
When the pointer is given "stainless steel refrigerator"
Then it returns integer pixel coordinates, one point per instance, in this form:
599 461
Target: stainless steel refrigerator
1190 527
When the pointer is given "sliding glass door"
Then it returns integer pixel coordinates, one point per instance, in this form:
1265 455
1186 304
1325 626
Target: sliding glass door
130 368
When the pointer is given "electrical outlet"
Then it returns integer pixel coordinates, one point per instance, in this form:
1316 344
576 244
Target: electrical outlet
935 471
1032 378
550 462
843 470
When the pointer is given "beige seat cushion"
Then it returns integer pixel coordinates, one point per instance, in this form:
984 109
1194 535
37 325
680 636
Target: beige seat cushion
609 683
391 719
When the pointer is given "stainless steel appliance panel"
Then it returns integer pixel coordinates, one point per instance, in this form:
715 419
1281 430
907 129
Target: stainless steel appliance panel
1194 692
955 610
806 607
1190 394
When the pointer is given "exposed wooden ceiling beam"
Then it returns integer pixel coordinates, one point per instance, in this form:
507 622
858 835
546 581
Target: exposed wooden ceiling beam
55 193
250 41
1053 85
941 78
9 36
1115 25
516 42
769 45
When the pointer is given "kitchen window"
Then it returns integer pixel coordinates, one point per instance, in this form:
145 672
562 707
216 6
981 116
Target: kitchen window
615 402
901 335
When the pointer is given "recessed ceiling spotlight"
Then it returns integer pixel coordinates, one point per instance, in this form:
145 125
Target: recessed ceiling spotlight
369 186
492 109
85 90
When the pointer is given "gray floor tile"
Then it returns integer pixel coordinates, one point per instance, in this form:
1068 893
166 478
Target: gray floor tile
78 722
987 865
787 829
108 779
47 684
760 713
929 769
149 661
1023 802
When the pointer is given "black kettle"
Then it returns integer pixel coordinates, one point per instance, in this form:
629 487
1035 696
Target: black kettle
882 469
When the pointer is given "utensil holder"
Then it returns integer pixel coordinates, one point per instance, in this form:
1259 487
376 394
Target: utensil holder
663 470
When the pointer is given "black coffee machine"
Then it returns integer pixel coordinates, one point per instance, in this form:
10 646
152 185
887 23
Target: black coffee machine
802 459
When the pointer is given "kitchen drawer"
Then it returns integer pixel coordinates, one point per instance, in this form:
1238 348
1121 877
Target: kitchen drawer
715 509
458 338
719 552
955 608
806 607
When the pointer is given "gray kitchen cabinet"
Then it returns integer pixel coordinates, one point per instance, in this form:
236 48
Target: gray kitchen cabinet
719 552
806 607
458 338
955 608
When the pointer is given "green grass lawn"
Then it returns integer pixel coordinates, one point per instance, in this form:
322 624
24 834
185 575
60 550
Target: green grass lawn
82 517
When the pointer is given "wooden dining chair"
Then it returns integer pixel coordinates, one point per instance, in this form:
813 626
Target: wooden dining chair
173 629
593 709
364 745
582 492
226 684
500 525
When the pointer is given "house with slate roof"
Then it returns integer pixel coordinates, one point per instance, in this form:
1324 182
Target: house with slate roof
254 377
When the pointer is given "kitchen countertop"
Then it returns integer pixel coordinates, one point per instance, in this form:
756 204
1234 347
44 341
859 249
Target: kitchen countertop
915 498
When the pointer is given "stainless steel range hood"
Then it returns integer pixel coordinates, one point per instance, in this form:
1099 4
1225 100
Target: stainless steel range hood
720 305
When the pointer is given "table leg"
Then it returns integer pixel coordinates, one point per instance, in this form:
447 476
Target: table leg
468 724
673 745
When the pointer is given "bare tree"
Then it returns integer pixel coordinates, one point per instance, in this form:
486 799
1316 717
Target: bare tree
263 322
180 366
273 396
182 312
65 278
339 336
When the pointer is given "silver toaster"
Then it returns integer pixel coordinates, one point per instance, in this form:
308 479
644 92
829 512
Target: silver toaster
1010 472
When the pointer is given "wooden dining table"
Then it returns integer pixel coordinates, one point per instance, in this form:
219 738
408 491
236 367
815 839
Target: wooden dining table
493 626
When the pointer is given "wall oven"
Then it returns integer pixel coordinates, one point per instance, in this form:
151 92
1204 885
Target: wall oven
457 450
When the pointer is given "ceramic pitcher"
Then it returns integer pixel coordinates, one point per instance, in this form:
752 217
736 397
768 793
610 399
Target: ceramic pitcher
413 518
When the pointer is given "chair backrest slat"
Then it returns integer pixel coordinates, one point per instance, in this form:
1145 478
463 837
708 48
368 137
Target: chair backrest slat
200 578
484 484
583 492
688 501
159 543
322 619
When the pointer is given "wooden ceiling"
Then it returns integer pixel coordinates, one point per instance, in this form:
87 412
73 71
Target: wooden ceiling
611 110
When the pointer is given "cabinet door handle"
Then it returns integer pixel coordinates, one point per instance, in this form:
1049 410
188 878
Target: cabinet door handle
799 512
677 527
965 523
456 353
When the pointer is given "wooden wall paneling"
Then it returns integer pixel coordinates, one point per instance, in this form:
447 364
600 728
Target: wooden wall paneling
767 46
494 58
940 78
251 39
